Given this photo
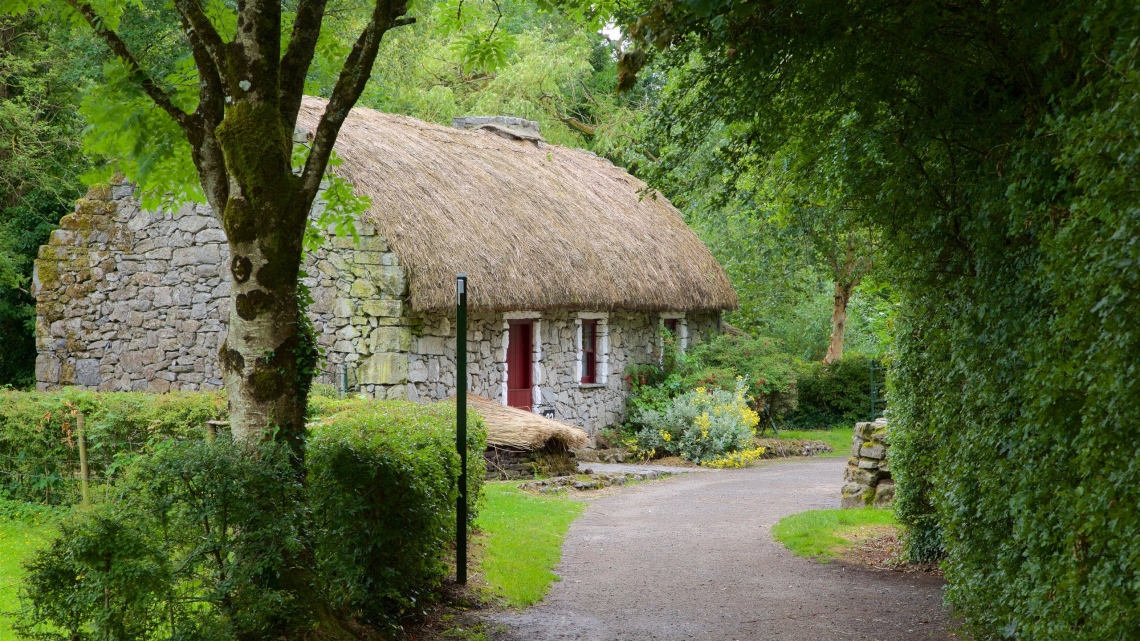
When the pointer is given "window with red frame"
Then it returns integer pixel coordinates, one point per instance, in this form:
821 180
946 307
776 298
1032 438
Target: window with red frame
589 351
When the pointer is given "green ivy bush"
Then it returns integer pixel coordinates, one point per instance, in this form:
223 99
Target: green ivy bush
839 393
205 540
39 452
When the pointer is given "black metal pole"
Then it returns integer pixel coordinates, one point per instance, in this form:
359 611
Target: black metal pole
461 426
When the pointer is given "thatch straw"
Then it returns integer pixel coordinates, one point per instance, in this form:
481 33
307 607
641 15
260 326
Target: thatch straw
534 226
513 427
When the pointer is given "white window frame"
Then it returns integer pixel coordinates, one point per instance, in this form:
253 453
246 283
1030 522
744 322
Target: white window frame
536 355
602 374
682 331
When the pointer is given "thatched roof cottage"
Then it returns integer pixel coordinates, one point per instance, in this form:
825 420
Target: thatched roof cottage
574 273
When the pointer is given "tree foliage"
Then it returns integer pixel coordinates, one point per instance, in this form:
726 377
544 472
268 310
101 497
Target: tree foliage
992 148
41 67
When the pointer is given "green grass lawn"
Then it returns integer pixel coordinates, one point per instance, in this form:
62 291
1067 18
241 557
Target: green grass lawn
838 438
522 541
815 533
23 529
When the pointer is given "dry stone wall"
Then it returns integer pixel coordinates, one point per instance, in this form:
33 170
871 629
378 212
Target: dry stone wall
867 480
130 299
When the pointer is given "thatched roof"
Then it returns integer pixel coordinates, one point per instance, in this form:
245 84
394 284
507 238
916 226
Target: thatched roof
513 427
534 226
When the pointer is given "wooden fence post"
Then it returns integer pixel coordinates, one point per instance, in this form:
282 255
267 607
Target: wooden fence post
84 472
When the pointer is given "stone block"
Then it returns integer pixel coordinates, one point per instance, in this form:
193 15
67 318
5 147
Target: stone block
388 308
391 339
210 235
47 368
873 450
884 493
861 476
197 255
432 345
391 280
854 495
361 288
342 308
362 257
372 243
384 369
868 464
193 224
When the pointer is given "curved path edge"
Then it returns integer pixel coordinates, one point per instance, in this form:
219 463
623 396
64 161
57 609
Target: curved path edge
692 557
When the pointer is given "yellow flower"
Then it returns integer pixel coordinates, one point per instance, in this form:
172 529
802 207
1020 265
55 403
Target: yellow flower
665 436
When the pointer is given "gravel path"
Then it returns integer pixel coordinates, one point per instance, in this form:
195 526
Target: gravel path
692 557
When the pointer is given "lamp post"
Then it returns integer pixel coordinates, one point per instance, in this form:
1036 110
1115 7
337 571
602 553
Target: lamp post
461 425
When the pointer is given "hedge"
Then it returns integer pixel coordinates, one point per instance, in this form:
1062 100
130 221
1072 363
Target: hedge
39 454
838 393
382 477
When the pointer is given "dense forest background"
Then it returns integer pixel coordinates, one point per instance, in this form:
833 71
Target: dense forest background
518 58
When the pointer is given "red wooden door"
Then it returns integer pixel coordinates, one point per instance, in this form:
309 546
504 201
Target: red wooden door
519 365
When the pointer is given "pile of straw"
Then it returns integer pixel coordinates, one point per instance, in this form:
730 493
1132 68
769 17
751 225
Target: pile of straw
512 427
534 226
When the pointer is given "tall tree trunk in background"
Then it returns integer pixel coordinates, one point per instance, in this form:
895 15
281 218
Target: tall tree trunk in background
848 266
838 321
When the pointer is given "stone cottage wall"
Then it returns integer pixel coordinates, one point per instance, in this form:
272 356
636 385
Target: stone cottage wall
129 299
633 339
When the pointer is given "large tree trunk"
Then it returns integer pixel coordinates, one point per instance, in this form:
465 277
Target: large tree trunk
268 356
838 321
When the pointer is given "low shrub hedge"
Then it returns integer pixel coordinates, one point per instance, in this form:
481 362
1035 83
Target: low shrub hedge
39 454
383 480
200 539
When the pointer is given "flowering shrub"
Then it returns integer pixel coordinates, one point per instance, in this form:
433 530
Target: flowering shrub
742 458
699 425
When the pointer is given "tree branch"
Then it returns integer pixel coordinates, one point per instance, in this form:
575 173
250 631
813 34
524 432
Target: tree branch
119 48
199 29
206 152
298 57
353 76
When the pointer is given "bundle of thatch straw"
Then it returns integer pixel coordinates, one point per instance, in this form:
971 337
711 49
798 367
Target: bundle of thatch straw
512 427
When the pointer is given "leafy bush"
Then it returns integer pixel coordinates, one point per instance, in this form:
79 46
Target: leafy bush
207 540
741 458
700 425
770 372
198 540
836 393
383 481
38 440
714 364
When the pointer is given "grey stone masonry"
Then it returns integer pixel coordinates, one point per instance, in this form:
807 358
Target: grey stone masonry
130 299
867 480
